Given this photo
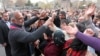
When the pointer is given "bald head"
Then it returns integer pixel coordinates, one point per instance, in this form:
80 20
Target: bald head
15 14
18 14
17 18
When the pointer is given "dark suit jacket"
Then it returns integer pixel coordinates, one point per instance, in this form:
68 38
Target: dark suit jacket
3 32
57 21
19 39
27 23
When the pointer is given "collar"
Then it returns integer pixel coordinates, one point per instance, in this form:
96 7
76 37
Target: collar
16 25
5 21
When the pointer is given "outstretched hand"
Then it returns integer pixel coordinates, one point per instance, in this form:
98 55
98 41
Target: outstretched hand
45 36
54 15
90 10
71 29
89 32
49 21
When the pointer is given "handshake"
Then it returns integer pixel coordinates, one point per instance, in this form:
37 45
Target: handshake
49 22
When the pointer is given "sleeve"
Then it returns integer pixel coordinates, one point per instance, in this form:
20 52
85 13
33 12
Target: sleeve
57 21
54 28
91 41
89 24
1 36
23 36
31 21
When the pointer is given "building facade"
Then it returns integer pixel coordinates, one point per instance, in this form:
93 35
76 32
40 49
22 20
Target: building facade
64 4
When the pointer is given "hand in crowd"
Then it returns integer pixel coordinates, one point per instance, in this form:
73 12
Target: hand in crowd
4 44
36 43
70 12
71 29
49 21
42 54
45 36
89 32
90 11
54 14
42 14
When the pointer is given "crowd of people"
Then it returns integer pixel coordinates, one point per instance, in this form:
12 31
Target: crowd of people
51 32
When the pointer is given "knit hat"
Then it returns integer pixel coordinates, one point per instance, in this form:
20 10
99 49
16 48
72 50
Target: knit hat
59 38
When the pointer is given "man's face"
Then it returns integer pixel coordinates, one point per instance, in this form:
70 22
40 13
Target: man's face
61 16
63 26
19 19
5 16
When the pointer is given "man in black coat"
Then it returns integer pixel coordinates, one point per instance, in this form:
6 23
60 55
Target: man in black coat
19 38
59 17
4 29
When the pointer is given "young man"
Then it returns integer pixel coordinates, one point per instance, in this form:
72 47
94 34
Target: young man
4 29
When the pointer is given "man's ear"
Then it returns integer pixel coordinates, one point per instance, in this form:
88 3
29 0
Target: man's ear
13 20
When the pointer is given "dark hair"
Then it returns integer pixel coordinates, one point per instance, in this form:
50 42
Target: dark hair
6 10
3 13
59 38
76 43
98 16
63 13
67 21
44 42
49 32
58 11
81 27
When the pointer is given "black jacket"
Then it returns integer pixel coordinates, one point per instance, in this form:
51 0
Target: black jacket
19 39
3 32
29 22
57 21
4 37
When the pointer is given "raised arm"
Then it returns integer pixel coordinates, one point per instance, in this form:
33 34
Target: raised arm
30 21
91 41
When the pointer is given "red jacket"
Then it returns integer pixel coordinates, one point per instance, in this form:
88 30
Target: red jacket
52 50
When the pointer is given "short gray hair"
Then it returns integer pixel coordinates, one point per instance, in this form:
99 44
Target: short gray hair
12 16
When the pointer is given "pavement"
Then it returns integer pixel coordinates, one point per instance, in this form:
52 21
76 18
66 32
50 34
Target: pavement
2 51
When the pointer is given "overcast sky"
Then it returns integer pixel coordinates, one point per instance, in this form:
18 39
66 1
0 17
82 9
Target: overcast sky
34 1
86 0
